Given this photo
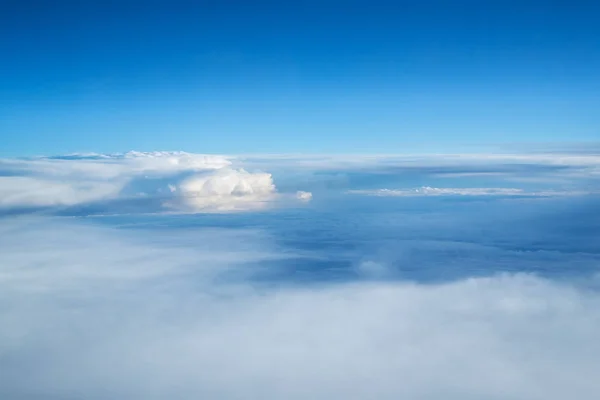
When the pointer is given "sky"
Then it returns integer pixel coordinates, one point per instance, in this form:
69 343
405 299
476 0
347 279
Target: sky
240 77
299 200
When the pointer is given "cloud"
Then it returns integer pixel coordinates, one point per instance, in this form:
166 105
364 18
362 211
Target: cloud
38 192
355 301
373 269
151 182
471 162
432 191
77 179
304 196
112 166
113 313
226 190
544 174
188 182
46 255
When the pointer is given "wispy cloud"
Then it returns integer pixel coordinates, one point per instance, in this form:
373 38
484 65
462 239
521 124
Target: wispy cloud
433 191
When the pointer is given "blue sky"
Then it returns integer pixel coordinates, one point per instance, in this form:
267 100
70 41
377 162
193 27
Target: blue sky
289 77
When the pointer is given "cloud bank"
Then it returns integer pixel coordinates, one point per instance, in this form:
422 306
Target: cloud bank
184 181
356 297
155 182
103 313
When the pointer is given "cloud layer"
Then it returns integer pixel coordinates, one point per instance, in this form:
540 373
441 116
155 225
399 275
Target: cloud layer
152 182
107 313
480 284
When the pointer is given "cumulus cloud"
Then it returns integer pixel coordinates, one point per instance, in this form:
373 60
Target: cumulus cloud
185 181
111 314
226 190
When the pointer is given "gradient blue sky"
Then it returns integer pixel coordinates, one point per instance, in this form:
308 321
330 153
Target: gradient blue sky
300 76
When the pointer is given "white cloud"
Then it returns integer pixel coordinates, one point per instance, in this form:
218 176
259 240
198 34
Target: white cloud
432 191
82 179
79 179
40 192
304 196
588 163
113 166
141 316
51 254
546 174
226 190
211 183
